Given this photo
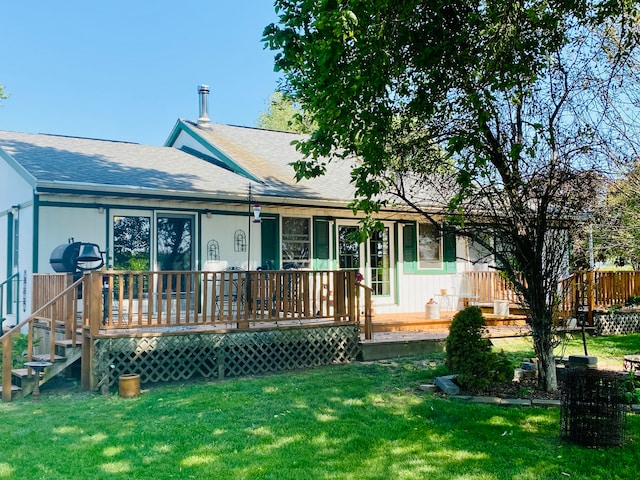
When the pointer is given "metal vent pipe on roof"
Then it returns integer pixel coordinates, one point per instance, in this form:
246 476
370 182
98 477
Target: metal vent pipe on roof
203 118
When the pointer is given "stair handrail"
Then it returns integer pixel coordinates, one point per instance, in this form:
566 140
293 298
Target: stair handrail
367 309
5 339
2 287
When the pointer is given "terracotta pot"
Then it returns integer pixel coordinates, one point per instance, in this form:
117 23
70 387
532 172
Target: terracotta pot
129 385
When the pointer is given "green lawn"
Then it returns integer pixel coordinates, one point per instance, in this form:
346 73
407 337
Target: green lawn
358 421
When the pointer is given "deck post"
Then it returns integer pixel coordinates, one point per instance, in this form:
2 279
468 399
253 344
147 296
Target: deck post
6 367
368 314
92 286
591 296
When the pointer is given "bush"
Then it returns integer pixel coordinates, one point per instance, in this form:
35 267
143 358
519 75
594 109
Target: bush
469 354
18 350
631 389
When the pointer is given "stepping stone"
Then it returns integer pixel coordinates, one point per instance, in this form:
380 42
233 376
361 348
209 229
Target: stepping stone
428 387
447 385
544 402
518 402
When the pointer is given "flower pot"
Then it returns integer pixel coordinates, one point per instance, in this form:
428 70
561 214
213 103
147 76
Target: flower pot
129 385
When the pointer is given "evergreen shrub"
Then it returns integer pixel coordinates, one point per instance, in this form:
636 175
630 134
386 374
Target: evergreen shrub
469 354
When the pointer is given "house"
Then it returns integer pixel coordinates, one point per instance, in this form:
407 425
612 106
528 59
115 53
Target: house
214 197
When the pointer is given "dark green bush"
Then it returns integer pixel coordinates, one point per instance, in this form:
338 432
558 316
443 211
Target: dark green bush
469 355
18 350
633 300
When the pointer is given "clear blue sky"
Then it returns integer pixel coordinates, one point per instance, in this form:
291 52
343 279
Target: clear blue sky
127 70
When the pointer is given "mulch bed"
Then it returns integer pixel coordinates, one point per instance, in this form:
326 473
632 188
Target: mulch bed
525 388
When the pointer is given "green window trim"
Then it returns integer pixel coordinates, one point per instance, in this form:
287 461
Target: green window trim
410 251
321 239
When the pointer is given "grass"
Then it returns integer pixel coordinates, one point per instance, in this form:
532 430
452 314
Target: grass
357 421
609 349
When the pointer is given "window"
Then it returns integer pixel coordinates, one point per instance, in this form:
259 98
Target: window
131 243
296 242
174 242
429 247
379 260
348 249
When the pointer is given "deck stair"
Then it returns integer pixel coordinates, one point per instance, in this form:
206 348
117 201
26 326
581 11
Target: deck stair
65 355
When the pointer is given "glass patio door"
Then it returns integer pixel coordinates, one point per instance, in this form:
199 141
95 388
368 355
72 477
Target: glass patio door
174 248
174 242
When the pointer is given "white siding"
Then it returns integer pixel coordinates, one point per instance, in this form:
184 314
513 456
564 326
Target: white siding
222 228
14 190
58 225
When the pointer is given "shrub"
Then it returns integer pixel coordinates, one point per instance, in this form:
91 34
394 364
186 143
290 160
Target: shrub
633 301
18 350
469 355
631 389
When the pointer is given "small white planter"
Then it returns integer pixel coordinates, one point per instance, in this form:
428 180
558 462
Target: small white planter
501 308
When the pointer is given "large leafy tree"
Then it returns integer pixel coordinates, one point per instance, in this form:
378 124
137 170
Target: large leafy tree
616 224
284 115
498 116
3 95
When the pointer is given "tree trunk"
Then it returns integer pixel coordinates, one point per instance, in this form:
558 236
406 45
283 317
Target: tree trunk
547 378
543 345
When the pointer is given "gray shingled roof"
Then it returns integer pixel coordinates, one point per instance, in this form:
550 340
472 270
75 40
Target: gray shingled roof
111 164
268 154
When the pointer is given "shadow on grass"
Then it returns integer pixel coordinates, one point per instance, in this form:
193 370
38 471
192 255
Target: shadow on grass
360 421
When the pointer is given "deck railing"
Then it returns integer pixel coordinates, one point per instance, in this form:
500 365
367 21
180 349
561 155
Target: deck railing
589 291
107 301
8 296
488 286
583 292
228 298
62 310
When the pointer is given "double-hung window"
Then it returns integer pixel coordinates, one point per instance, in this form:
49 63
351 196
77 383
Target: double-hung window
429 247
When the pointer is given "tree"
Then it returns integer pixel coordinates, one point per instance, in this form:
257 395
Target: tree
497 117
616 230
3 96
284 115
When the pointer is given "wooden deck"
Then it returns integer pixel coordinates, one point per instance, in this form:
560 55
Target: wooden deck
417 322
117 306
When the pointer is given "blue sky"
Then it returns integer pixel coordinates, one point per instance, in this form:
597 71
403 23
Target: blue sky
127 70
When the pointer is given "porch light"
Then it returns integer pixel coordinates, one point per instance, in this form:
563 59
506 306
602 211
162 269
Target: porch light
256 213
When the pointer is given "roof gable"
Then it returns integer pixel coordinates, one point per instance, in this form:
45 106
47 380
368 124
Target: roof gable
265 156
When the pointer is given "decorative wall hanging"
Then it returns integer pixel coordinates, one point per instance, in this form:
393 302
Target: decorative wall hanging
213 251
240 241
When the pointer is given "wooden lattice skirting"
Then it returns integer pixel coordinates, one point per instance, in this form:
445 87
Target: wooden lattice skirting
166 358
617 323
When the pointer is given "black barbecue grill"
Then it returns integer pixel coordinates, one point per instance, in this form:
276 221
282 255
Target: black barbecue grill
76 258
